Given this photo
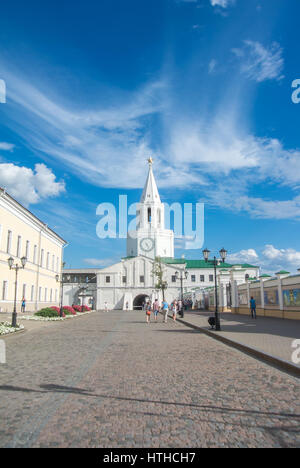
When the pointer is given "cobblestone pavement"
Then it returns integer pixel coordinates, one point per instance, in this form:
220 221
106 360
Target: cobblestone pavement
111 380
270 335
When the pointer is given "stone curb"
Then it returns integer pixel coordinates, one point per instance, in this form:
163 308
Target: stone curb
13 334
265 357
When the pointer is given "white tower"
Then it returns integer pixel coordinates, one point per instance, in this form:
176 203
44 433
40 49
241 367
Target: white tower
150 239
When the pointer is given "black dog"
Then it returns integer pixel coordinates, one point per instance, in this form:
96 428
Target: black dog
212 322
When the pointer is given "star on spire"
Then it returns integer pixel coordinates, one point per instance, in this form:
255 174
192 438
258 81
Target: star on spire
150 161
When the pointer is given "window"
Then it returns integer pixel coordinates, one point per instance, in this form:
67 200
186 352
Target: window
193 278
34 254
27 250
50 295
9 237
53 262
47 261
57 264
149 215
142 279
18 247
55 295
107 279
46 294
4 290
32 294
211 277
124 279
202 278
40 293
24 291
173 279
42 258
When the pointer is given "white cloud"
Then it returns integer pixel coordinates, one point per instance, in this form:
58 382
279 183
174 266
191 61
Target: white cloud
244 256
27 185
222 3
260 63
284 255
270 259
6 146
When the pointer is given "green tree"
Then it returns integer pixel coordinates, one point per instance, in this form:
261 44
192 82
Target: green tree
158 273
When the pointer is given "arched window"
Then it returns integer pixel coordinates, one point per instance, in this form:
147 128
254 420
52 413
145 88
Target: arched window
149 215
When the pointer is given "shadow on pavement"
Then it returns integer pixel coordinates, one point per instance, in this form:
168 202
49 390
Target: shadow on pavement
48 388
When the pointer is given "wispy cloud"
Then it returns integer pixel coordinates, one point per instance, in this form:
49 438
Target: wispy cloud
101 262
210 148
260 63
6 146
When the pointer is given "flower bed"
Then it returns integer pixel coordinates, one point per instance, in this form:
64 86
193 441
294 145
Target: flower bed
51 319
6 328
78 308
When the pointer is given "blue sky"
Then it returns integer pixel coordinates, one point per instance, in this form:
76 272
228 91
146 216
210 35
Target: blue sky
95 87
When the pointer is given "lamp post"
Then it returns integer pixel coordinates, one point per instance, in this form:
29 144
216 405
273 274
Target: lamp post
215 262
60 279
16 268
183 275
83 289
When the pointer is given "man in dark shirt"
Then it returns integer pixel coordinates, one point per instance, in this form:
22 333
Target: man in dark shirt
253 307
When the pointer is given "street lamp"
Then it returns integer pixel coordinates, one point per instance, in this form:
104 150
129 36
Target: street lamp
60 279
183 275
83 291
16 267
215 262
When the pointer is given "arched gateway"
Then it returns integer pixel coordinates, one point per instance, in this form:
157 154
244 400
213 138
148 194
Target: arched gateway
139 300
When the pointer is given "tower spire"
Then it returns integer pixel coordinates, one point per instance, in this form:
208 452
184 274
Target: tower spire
150 192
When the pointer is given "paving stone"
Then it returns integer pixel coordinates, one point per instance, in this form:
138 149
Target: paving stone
108 380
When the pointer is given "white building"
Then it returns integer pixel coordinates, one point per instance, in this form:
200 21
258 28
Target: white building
129 282
22 234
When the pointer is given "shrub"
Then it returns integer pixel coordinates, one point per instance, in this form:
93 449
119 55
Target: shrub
47 312
77 308
69 310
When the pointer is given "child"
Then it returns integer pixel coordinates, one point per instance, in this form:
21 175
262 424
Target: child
174 310
148 312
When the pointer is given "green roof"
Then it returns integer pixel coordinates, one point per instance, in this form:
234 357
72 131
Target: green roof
265 276
173 261
282 272
199 263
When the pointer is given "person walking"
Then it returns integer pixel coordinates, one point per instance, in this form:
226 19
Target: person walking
127 305
253 307
180 308
174 310
165 308
155 309
148 312
23 305
105 306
